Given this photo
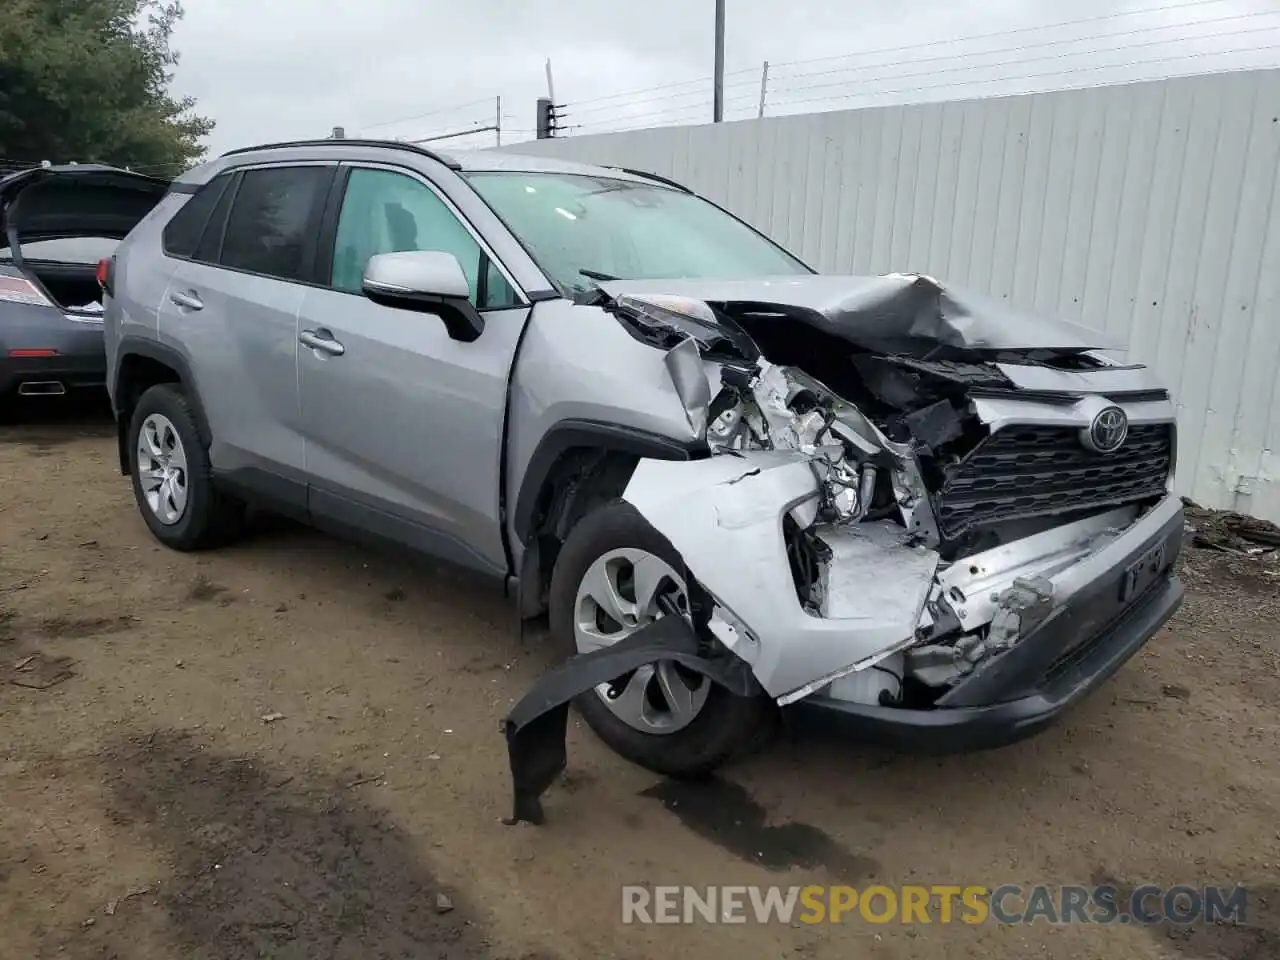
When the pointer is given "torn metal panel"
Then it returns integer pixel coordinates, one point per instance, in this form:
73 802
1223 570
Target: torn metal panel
896 313
725 514
689 376
535 729
1000 412
874 569
972 586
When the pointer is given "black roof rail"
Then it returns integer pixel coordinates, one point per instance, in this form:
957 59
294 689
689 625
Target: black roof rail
654 177
331 142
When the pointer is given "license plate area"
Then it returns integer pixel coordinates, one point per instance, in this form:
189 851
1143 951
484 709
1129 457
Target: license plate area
1141 573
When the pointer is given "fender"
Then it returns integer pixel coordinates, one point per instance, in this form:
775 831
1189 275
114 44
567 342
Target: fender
592 435
139 347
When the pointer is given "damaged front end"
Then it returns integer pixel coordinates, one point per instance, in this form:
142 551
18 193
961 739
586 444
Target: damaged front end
911 503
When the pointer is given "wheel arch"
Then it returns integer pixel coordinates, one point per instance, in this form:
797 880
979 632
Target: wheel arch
577 464
144 364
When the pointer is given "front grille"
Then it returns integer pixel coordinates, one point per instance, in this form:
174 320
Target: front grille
1035 471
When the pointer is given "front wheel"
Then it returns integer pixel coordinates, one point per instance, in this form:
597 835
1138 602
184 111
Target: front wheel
608 580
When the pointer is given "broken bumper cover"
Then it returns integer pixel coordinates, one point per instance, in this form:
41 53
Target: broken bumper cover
1128 593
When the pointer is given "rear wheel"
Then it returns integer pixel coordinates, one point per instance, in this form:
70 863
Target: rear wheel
609 577
172 476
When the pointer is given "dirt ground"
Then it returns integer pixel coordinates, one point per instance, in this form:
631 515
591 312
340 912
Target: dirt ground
290 749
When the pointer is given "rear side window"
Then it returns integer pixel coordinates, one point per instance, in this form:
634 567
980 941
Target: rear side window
270 229
210 244
182 233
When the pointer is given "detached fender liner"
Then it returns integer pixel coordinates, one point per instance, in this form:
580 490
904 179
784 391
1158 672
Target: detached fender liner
535 728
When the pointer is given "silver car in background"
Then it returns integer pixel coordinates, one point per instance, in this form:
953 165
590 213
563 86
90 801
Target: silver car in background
881 503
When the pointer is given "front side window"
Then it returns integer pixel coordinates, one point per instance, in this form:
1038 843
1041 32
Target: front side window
571 223
388 212
272 219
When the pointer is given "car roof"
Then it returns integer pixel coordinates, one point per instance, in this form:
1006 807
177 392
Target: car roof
463 161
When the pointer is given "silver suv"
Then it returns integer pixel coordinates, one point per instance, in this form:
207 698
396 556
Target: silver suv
889 505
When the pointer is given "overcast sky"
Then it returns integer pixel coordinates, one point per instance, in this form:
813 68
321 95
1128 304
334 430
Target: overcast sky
414 68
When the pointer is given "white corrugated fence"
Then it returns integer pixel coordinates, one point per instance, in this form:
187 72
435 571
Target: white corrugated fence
1149 210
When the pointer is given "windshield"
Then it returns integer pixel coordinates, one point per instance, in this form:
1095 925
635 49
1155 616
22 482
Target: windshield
584 228
66 250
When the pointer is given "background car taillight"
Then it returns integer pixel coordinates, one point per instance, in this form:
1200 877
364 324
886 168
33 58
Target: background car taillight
105 269
21 290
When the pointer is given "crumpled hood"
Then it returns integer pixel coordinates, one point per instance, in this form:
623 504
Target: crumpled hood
84 200
894 313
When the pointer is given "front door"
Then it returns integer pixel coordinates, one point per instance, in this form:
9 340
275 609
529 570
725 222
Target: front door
403 424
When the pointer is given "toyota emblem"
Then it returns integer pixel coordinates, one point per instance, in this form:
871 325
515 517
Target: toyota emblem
1108 431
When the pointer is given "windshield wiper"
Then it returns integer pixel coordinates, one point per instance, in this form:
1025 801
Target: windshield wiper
597 275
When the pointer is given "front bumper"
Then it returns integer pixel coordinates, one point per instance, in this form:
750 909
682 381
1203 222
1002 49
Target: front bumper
1015 695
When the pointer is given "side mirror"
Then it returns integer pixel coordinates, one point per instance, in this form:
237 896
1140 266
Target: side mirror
426 281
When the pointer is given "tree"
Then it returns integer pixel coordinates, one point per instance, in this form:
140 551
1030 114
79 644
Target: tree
88 80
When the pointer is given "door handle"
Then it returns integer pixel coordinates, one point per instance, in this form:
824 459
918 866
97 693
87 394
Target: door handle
188 301
323 341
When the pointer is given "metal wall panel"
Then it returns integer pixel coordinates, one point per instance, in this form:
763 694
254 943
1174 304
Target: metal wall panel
1150 210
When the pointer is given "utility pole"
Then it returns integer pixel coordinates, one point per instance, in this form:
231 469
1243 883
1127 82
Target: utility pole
497 119
764 89
548 111
717 110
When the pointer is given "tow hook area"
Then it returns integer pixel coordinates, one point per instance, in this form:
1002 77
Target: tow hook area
535 728
1021 609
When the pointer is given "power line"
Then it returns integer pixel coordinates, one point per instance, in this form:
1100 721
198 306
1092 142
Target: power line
1023 60
572 108
623 118
1044 43
1164 8
429 113
665 86
1031 76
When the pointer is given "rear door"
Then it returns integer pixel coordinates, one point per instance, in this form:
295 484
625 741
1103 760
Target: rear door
232 308
404 427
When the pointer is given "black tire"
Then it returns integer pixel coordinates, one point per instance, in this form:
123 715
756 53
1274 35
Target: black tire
212 518
727 726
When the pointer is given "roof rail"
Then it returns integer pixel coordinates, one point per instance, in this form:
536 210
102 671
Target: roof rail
331 142
654 177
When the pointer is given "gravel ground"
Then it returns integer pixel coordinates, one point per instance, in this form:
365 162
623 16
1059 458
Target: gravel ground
290 749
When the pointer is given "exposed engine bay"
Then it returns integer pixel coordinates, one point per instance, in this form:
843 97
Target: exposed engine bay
947 481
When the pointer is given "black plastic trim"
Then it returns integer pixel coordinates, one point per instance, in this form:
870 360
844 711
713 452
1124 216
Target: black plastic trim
330 142
592 435
1025 690
136 346
968 729
665 181
264 488
355 518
